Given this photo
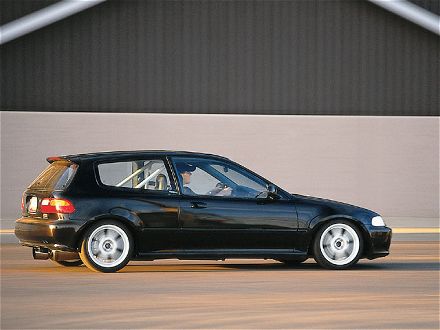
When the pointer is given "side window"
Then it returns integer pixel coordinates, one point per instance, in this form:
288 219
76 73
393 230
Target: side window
241 179
200 182
214 178
137 174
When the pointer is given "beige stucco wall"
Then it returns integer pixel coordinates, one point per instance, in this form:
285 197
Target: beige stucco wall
389 164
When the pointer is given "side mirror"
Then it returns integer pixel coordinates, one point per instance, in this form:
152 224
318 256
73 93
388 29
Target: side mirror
272 192
271 189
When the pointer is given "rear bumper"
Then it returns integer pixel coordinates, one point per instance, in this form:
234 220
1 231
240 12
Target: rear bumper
51 234
380 241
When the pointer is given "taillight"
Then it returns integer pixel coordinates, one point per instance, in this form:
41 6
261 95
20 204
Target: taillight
22 203
56 205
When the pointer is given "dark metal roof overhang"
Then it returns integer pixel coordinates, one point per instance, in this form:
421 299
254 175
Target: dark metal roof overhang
43 17
66 8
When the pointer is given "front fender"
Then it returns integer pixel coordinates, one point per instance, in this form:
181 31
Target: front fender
362 225
318 220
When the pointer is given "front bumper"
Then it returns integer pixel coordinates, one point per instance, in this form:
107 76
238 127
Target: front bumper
51 234
380 241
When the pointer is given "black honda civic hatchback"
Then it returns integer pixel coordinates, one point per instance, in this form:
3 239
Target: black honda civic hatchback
105 209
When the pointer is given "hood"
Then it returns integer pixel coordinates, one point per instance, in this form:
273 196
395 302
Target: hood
335 206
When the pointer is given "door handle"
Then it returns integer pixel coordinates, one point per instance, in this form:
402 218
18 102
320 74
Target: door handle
198 205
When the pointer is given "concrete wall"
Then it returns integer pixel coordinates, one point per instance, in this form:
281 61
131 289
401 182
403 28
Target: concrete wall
389 164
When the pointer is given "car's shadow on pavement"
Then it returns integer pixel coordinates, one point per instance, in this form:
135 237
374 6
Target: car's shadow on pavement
152 267
399 266
200 267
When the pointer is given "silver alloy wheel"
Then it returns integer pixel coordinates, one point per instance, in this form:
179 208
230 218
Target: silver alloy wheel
108 246
339 244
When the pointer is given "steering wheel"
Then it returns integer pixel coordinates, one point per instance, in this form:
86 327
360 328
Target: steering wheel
241 191
221 185
260 193
218 188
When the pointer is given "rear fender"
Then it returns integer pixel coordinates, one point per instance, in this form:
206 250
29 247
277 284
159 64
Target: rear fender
130 220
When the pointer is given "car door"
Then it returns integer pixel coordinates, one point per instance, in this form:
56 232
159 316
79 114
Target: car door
223 207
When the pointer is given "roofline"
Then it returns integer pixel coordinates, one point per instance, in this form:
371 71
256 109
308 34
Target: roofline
131 153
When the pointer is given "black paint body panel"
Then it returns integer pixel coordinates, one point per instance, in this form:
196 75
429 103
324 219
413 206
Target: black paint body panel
167 224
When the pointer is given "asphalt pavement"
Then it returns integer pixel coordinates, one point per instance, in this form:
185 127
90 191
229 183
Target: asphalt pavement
399 291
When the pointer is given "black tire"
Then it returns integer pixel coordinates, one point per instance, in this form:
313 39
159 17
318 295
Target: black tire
332 248
108 237
68 263
294 262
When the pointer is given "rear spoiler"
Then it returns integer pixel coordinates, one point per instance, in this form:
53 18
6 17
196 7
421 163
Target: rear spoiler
58 158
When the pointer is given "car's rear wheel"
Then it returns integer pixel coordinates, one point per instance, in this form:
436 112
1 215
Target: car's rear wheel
68 263
107 246
337 245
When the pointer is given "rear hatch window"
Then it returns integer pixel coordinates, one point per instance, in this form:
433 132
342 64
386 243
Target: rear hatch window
56 176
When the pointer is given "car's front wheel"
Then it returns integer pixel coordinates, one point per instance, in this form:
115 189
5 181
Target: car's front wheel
337 245
107 246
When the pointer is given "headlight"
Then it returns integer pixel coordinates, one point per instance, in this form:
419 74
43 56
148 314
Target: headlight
377 221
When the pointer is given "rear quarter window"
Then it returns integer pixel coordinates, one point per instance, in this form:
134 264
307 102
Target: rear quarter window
56 176
149 175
